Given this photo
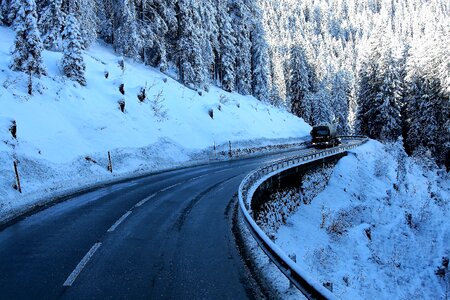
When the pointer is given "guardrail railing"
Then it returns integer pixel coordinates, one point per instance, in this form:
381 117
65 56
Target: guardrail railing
299 277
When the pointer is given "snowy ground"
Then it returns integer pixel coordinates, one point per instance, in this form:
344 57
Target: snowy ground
64 131
377 231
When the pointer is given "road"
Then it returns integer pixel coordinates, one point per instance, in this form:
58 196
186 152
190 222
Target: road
165 236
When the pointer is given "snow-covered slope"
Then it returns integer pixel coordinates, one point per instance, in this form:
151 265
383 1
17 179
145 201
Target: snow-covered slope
62 123
378 231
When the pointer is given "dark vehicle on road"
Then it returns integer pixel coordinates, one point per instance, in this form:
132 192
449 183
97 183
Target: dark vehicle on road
324 136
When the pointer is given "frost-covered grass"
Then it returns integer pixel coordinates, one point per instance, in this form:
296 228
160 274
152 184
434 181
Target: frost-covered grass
379 230
64 131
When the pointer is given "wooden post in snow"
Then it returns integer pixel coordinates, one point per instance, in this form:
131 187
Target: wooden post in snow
17 177
110 163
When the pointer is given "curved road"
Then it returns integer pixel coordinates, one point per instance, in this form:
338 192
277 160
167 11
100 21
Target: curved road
165 236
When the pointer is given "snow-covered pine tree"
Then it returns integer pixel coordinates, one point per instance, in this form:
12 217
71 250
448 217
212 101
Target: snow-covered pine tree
227 44
168 12
415 135
260 59
369 84
299 84
189 47
210 45
105 15
27 53
88 22
321 105
72 61
51 24
428 107
242 23
85 11
340 100
127 41
153 30
11 10
386 119
4 8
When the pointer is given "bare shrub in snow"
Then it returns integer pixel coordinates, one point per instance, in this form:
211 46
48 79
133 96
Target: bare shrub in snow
409 220
314 182
159 111
324 258
381 167
122 88
443 270
223 99
211 113
275 212
346 219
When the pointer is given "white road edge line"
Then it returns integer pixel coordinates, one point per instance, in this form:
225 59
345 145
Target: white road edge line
114 226
142 202
69 281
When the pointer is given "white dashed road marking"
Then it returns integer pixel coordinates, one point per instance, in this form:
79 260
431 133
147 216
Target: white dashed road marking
143 201
114 226
69 281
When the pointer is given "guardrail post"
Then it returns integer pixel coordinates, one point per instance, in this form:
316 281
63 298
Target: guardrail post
293 257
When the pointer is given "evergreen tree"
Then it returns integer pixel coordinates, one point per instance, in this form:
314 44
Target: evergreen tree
4 8
127 41
105 14
153 32
88 22
11 11
210 45
72 61
300 84
85 13
168 12
189 47
227 47
321 105
242 26
260 61
51 24
27 53
385 118
340 100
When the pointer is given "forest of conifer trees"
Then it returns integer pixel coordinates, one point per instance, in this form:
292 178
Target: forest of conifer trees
375 67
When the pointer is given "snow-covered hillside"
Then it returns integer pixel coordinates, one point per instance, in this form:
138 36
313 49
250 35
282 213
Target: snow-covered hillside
379 230
64 123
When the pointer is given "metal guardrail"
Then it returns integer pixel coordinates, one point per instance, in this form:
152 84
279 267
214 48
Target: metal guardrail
298 276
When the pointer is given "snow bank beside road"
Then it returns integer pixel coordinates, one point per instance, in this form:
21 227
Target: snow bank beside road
378 231
63 123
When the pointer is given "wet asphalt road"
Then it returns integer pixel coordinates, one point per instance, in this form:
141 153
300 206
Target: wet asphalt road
165 236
